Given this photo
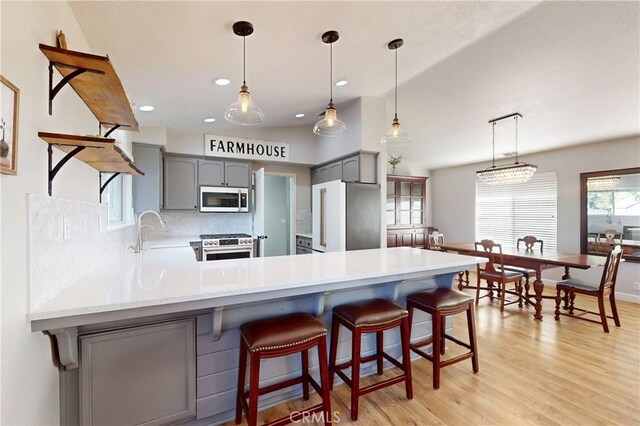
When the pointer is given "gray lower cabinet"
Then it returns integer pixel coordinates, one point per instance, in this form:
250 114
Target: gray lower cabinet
146 189
210 173
139 375
180 183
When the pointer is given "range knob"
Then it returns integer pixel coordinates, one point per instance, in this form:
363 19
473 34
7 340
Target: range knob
215 242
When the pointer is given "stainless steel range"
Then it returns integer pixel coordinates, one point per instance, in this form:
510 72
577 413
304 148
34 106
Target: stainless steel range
226 246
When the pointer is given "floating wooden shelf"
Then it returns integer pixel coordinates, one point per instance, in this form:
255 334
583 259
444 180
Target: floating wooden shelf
95 81
100 153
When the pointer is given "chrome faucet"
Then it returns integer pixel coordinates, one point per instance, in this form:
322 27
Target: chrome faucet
137 248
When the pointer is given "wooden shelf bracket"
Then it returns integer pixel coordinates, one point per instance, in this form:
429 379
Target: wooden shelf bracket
53 91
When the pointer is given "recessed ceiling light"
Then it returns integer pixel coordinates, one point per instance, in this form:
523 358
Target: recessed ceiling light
222 81
209 120
299 115
341 83
147 108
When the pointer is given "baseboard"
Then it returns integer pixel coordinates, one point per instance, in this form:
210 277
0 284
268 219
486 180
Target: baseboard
627 297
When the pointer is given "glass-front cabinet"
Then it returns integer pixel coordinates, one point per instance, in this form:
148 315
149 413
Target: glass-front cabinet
405 211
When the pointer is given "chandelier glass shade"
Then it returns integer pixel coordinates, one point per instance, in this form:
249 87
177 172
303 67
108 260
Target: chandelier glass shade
329 125
508 174
243 110
602 183
395 136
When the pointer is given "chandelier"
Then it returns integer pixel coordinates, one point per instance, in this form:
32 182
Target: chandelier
511 173
602 183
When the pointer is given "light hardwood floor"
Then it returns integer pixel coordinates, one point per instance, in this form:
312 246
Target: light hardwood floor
542 373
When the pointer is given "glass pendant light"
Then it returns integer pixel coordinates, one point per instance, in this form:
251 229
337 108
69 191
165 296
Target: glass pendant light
330 125
244 111
512 173
395 136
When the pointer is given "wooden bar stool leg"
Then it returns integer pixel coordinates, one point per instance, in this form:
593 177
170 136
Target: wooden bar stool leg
436 319
335 331
405 333
254 383
471 324
242 369
324 379
355 372
442 330
379 349
305 373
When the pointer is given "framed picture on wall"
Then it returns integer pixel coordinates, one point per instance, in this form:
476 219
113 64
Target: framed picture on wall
10 98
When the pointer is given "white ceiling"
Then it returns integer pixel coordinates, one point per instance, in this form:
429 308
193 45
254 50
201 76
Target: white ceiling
570 68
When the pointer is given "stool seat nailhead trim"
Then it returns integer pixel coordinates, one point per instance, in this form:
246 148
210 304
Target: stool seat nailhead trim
288 345
374 324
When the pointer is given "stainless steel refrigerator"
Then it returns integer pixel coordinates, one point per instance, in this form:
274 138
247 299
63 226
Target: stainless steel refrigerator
346 216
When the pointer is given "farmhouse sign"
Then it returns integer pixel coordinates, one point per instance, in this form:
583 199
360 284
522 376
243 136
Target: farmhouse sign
250 149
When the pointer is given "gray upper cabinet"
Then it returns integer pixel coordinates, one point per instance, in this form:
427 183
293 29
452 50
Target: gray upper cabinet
323 174
147 188
180 183
335 171
351 169
361 167
237 174
211 173
223 173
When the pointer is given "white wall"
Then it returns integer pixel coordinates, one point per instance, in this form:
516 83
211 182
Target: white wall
453 192
29 380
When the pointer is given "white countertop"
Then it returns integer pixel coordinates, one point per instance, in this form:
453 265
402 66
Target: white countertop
171 280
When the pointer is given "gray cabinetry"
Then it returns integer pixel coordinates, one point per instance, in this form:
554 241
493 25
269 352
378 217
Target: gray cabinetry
223 173
351 169
335 171
147 188
236 174
211 173
180 183
139 375
360 167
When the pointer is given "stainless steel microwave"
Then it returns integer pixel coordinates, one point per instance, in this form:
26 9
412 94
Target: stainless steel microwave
223 199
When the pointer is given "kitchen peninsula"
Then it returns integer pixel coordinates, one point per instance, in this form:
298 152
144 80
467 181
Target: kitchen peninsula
181 317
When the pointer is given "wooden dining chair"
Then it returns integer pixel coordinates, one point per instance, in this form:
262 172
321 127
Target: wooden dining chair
529 242
606 288
494 272
435 240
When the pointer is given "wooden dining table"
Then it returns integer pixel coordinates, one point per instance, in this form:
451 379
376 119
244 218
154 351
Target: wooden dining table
535 260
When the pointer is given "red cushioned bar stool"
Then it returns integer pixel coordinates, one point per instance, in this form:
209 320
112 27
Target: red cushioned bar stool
372 316
441 303
276 337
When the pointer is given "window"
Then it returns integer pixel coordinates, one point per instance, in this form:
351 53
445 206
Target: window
113 196
505 213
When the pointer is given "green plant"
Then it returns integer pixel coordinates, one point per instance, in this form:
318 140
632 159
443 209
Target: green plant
394 160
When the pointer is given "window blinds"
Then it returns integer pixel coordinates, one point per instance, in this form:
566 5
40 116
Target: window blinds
507 212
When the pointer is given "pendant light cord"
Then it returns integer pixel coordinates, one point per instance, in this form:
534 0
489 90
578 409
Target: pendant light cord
396 92
331 73
244 61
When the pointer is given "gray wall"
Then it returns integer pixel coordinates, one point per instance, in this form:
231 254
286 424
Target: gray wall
453 191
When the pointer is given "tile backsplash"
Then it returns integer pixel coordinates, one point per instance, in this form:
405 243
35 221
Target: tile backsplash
303 221
190 224
56 262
